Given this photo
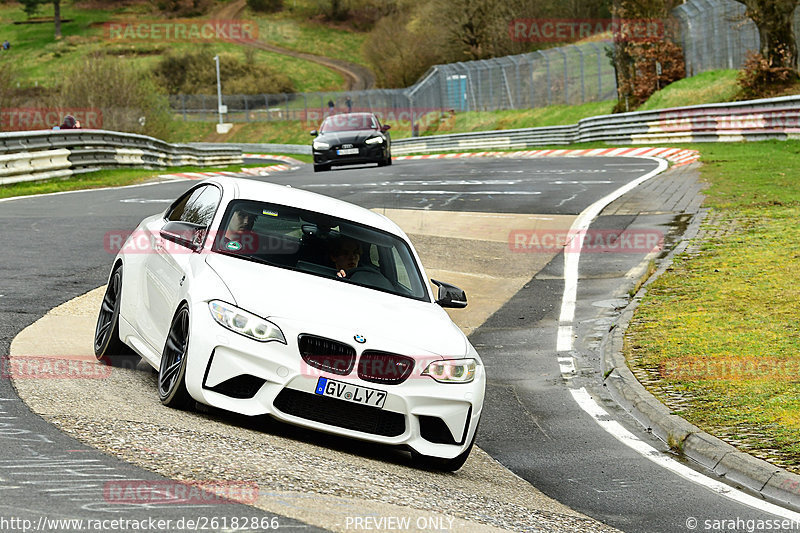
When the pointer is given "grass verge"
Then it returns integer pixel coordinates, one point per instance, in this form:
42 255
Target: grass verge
716 338
104 178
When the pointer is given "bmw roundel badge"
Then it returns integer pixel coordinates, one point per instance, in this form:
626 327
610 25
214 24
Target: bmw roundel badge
360 339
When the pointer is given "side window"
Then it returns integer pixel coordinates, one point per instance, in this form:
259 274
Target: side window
179 207
201 206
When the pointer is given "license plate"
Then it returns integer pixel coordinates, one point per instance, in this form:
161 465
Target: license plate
347 151
350 392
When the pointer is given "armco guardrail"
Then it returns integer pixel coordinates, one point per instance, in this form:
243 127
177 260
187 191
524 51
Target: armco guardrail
38 155
754 120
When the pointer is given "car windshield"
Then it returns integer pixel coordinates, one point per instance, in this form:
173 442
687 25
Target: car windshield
320 245
349 122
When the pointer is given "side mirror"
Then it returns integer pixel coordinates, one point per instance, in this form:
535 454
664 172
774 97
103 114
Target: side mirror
450 295
385 128
314 133
184 233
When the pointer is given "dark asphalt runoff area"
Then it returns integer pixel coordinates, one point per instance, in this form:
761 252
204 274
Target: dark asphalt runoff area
54 251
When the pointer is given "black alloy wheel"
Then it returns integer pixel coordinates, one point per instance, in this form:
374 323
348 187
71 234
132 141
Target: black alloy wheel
106 333
172 371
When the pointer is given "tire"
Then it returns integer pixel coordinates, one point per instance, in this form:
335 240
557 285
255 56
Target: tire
172 370
106 333
321 168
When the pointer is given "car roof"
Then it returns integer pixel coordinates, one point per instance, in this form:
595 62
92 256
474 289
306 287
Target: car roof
247 189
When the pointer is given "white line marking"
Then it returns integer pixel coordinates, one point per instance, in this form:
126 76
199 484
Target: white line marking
590 406
565 343
577 232
456 192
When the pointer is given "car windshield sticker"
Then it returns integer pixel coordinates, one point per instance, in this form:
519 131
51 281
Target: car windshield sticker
268 212
234 245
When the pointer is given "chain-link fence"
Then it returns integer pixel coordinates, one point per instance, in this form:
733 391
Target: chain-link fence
714 34
566 75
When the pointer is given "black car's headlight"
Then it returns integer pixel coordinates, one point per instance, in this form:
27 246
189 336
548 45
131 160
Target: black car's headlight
452 370
319 145
374 140
244 323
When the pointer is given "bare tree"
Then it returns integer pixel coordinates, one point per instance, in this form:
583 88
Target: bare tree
773 18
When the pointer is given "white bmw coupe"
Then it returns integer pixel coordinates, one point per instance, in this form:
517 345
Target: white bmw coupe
263 299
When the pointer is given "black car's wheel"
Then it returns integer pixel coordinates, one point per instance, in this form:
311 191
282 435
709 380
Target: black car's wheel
321 168
106 333
389 159
172 371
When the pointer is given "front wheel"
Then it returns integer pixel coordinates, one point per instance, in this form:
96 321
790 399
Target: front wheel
106 333
172 371
321 168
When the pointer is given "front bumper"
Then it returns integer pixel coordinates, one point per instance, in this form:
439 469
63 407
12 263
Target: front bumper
232 372
366 154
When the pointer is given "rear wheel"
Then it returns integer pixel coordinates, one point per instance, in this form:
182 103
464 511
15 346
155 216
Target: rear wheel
106 333
172 371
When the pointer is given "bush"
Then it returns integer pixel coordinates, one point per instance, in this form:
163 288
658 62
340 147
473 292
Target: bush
265 6
127 97
639 77
195 73
759 79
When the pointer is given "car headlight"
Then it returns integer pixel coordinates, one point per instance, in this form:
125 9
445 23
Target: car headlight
374 140
452 371
319 145
244 323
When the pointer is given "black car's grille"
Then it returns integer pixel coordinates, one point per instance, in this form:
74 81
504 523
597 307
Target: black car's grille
244 386
384 367
340 413
327 354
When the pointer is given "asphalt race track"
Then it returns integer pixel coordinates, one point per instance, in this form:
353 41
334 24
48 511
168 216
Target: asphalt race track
53 251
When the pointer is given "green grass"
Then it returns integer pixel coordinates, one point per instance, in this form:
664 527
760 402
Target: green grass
717 336
706 88
104 178
292 30
45 58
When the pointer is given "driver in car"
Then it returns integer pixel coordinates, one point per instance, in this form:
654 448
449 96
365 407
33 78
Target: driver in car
238 234
345 253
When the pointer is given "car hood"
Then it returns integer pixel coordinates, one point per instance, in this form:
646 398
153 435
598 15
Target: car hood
347 137
336 309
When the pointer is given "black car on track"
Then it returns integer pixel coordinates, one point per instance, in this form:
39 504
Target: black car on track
351 139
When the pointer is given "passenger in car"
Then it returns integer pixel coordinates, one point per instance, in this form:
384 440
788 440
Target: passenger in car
345 253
